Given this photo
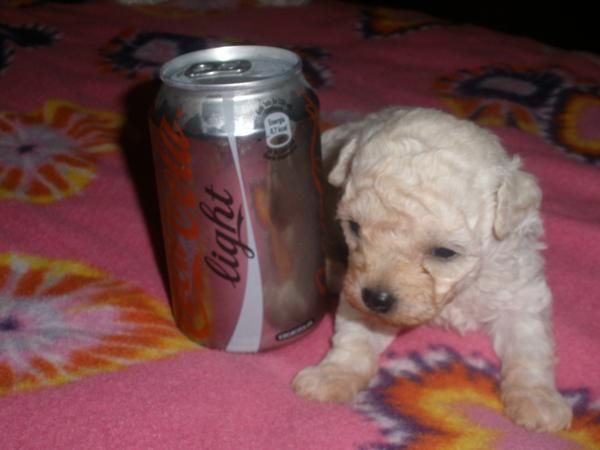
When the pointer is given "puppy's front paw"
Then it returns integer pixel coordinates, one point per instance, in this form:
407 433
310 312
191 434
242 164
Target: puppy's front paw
537 408
329 382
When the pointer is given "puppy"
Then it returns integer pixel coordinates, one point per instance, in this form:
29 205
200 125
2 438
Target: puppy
441 226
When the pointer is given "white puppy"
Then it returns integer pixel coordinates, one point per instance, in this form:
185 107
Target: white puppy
442 226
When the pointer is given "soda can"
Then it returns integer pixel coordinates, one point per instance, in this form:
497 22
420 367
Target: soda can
236 147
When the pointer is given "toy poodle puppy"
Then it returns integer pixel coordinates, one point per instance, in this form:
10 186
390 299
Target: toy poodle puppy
441 226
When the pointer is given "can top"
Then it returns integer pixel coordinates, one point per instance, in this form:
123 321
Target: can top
233 67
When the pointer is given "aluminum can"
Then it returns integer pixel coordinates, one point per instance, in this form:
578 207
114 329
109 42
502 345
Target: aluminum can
236 146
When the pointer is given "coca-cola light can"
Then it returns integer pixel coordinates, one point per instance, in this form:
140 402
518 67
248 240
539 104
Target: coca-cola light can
236 145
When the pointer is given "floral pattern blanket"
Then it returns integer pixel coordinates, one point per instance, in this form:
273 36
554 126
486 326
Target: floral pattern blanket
89 353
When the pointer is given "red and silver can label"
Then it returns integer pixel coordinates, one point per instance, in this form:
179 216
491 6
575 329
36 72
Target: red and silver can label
236 147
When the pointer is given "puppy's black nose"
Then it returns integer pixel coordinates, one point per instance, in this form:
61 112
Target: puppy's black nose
378 301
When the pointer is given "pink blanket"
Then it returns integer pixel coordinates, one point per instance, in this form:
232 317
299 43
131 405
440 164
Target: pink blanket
89 355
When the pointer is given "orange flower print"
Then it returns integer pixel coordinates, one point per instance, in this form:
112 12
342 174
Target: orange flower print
185 9
439 400
384 22
574 122
62 320
51 154
549 101
502 96
140 55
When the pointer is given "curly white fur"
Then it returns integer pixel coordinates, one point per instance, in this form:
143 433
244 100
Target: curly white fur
439 219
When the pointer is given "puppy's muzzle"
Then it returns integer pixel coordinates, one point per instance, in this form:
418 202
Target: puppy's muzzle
378 301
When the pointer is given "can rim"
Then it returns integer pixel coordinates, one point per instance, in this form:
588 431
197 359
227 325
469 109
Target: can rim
226 53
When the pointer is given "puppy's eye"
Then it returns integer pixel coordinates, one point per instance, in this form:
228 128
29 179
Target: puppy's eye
354 227
443 252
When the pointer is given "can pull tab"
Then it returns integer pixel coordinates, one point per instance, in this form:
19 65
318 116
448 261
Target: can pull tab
208 68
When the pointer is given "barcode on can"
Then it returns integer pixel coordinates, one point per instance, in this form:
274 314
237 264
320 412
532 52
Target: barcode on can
295 331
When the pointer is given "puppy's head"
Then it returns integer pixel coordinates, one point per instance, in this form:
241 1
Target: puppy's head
427 199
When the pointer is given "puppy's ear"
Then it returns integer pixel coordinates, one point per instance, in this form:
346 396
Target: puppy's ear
338 175
338 147
517 196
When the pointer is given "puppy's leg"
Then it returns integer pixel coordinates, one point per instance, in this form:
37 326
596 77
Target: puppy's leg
524 343
350 363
